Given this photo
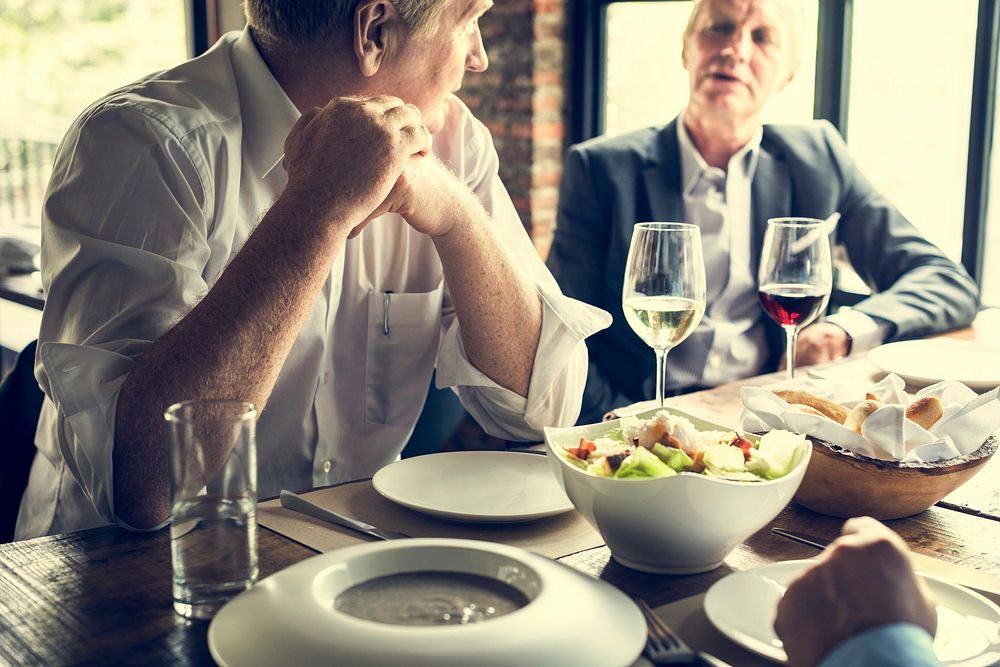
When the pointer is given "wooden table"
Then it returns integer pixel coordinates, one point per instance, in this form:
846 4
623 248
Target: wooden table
103 596
25 289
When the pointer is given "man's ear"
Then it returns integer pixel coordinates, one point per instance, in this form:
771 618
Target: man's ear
374 25
684 52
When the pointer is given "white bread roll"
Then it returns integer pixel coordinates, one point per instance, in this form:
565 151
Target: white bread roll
808 409
824 406
925 411
860 413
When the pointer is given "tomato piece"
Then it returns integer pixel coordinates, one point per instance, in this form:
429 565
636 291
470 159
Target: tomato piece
743 444
583 450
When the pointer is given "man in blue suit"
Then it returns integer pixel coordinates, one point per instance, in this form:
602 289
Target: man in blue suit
717 166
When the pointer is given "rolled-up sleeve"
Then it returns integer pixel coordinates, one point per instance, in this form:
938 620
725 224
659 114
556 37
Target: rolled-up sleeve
559 374
123 251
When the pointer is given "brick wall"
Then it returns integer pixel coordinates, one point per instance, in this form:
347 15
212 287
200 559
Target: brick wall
521 100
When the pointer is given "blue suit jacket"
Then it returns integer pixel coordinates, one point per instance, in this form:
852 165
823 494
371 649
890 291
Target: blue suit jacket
609 184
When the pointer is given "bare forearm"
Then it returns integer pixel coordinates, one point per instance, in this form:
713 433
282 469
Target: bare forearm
498 308
230 346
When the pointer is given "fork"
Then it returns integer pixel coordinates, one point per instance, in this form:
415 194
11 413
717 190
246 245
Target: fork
664 647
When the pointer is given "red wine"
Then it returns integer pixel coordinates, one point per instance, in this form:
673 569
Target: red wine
792 305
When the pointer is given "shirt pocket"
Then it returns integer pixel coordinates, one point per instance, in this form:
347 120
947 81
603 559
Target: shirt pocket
404 330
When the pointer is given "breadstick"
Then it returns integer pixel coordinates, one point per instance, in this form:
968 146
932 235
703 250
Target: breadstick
860 413
834 411
925 411
809 410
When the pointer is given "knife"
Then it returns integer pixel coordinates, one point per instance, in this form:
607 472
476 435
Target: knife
297 503
982 582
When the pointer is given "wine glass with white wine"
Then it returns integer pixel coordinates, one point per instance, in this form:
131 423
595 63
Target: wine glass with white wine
664 292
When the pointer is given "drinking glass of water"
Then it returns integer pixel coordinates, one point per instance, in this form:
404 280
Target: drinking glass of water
795 276
664 291
213 503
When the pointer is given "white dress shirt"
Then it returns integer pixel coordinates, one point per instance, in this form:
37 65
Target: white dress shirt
719 202
155 188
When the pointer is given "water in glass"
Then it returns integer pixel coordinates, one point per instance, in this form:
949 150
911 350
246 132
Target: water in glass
213 543
213 503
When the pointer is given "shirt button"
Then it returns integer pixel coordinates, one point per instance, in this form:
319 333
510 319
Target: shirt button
327 466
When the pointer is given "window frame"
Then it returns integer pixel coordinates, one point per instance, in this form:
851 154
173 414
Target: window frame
588 46
202 28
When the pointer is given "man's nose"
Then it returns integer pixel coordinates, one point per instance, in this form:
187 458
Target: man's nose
739 45
477 60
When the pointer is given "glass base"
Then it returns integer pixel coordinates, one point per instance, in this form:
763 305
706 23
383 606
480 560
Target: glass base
205 608
203 604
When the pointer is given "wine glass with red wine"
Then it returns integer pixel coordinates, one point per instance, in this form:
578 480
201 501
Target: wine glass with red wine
795 276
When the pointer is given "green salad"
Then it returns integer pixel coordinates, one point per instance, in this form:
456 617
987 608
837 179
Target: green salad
667 444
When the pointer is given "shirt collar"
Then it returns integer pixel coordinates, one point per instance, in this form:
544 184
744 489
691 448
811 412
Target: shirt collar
693 165
267 113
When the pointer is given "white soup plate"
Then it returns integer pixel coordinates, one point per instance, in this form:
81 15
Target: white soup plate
289 618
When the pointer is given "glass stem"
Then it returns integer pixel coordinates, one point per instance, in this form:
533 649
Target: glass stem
661 373
791 336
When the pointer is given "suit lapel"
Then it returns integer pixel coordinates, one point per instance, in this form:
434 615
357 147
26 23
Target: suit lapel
659 198
771 197
663 177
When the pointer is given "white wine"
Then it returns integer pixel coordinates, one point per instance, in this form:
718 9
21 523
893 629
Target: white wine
662 321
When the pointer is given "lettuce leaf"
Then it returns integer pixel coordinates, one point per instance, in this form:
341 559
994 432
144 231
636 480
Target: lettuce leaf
723 458
673 457
643 463
778 454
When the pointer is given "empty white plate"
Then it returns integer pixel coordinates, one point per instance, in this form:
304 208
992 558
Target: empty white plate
925 362
487 487
291 617
742 606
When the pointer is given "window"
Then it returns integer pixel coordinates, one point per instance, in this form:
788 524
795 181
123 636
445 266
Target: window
908 120
56 57
646 84
990 285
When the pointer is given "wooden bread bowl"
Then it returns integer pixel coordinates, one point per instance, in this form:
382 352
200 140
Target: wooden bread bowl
845 484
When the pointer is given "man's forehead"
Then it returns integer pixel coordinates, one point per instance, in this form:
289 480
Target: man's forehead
468 8
772 12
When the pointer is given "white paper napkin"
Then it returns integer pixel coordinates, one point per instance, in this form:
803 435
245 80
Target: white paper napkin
968 419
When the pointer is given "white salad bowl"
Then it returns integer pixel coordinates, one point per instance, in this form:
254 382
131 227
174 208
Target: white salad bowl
681 524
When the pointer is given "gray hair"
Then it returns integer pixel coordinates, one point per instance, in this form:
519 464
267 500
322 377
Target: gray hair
794 20
297 24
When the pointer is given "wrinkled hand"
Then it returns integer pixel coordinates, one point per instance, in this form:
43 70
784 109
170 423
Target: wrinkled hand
862 581
821 343
344 159
430 197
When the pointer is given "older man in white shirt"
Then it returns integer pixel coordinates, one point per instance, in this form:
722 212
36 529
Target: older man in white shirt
304 217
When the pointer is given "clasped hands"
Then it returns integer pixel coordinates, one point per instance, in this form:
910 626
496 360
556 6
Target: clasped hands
356 159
